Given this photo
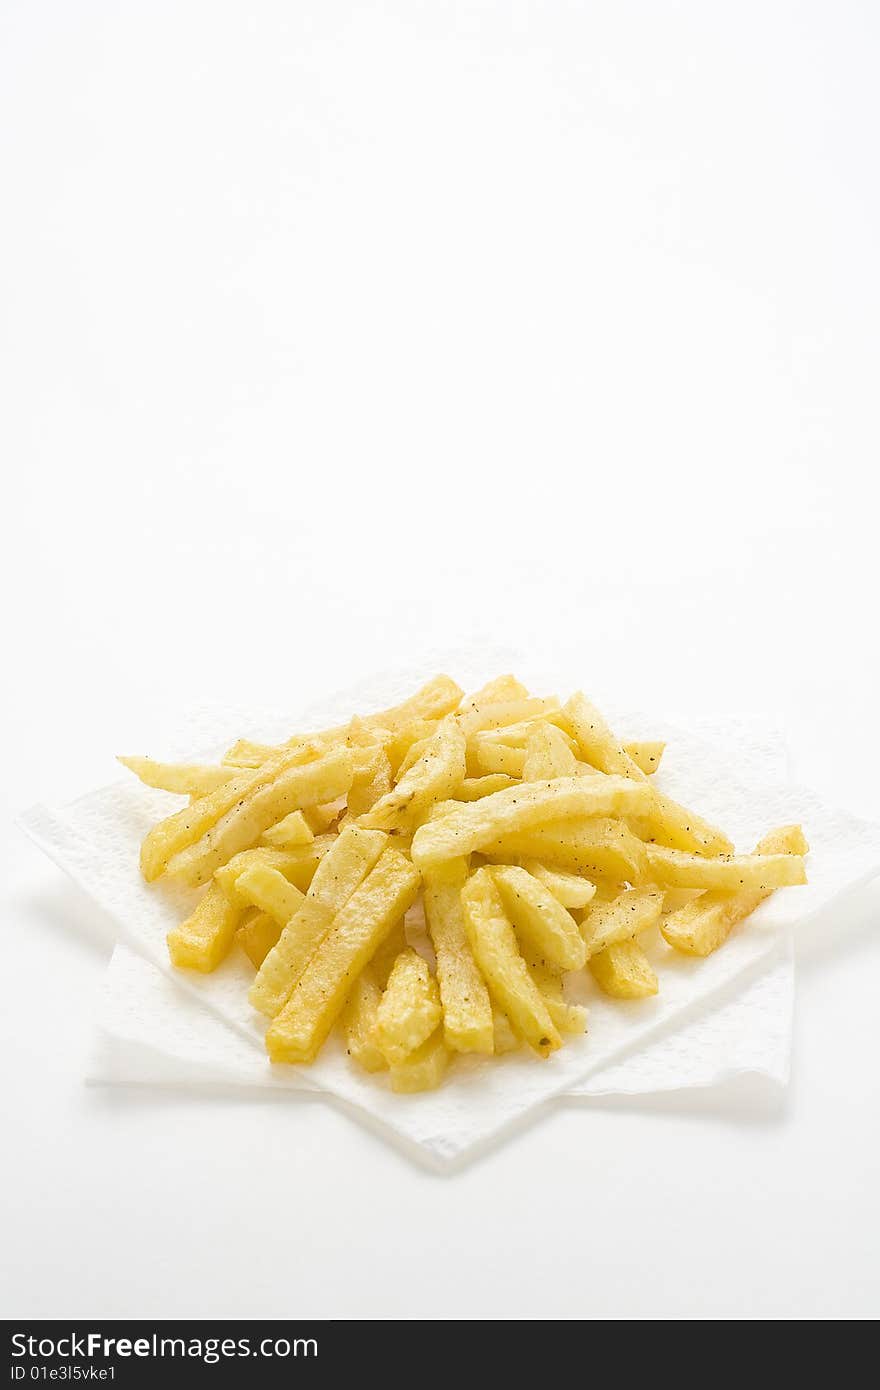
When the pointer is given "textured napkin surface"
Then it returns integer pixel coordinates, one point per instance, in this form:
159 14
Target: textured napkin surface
729 780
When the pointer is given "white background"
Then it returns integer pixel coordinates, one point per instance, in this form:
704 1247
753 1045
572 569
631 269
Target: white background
332 333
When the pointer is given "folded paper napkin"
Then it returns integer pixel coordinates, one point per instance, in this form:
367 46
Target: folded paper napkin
712 1018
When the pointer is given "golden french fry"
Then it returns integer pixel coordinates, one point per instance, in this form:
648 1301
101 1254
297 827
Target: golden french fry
598 847
667 823
359 1022
270 891
436 775
174 833
187 779
371 783
548 754
257 935
496 691
540 918
297 864
477 824
676 869
700 926
632 911
389 890
646 754
467 1010
399 744
340 873
409 1010
320 818
474 788
569 889
493 942
305 784
204 939
293 830
624 971
595 740
503 1036
498 714
422 1070
491 758
569 1018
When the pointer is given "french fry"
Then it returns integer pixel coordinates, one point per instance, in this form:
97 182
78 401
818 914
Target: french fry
493 942
187 779
270 891
548 754
257 935
633 911
624 971
320 818
517 735
291 831
569 1018
540 918
174 833
700 926
503 1036
422 1070
569 889
399 744
498 714
338 876
598 847
436 774
667 823
409 1010
474 788
297 1033
497 757
203 940
297 864
467 1009
496 691
676 869
479 823
359 1023
598 745
371 783
646 754
306 784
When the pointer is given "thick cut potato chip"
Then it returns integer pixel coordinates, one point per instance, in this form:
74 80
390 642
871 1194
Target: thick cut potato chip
270 891
646 754
422 1070
598 847
633 911
204 939
540 919
297 864
386 894
257 935
340 873
187 779
188 824
598 745
467 1010
493 942
677 869
359 1023
480 823
667 823
700 926
475 788
548 754
409 1010
624 971
293 830
433 777
306 784
569 889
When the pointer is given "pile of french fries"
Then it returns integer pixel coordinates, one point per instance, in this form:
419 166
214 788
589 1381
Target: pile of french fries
539 845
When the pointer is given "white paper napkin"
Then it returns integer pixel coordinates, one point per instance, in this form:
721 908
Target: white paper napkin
96 841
